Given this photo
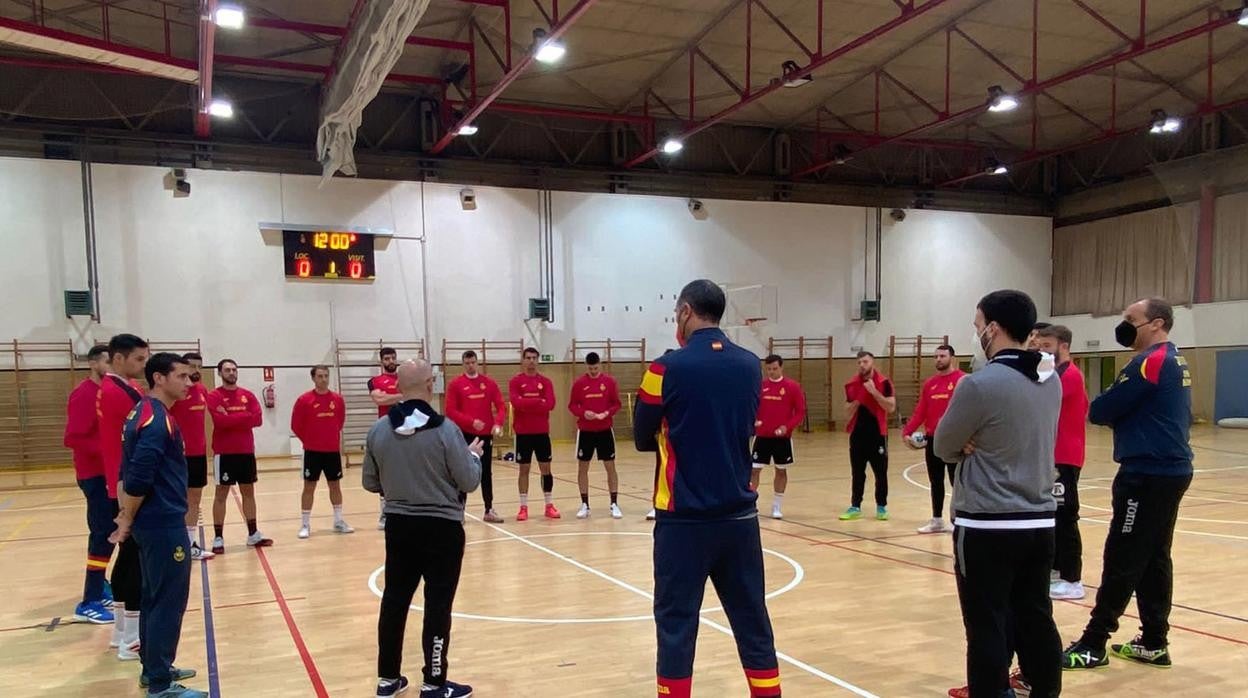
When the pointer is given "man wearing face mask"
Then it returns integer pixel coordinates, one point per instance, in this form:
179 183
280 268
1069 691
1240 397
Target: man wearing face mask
1149 408
1001 427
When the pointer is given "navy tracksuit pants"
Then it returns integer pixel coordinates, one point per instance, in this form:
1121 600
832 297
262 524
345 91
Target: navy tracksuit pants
730 554
100 514
165 556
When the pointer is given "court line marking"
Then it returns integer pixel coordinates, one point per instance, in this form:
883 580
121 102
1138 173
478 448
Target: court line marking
813 671
210 636
798 575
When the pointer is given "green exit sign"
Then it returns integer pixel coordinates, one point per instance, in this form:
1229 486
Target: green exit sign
548 357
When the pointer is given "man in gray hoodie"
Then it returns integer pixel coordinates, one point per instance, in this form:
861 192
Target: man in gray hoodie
416 459
1000 427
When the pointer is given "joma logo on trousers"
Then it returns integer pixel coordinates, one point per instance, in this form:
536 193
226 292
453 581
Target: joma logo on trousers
436 659
1129 522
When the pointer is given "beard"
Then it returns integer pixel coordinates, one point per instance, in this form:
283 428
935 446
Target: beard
390 369
195 377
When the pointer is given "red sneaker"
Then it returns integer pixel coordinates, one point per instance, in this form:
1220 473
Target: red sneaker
552 512
1022 689
960 692
523 514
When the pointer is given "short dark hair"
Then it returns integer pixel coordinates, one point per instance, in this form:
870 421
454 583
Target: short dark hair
863 353
316 368
948 348
470 354
223 362
1158 309
125 344
705 298
1012 310
161 363
592 359
387 351
530 350
192 356
1061 333
1041 326
96 351
774 359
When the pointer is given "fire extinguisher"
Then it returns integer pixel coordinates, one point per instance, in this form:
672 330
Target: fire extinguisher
269 396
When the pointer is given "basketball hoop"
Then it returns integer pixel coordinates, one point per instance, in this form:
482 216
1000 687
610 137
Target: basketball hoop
751 321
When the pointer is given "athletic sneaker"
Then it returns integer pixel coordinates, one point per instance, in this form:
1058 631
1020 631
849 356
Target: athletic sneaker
257 540
1066 590
852 514
129 652
1055 576
391 687
1022 689
552 512
177 690
881 514
523 514
341 526
305 531
491 516
1081 656
1136 650
178 675
775 512
381 522
108 595
218 546
198 553
583 512
650 516
93 612
449 690
933 526
615 511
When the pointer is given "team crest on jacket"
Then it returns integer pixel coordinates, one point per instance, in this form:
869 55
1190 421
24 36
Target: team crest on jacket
179 554
602 386
782 391
243 399
717 346
483 386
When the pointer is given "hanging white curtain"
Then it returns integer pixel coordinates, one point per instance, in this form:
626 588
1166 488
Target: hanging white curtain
1230 248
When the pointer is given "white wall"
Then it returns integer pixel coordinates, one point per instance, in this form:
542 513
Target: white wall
199 268
1205 325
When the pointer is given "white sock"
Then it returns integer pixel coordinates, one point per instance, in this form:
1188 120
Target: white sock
778 499
131 633
119 626
524 500
337 513
550 498
307 519
192 532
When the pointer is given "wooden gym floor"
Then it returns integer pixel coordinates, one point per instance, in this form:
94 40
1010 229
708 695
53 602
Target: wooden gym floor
561 608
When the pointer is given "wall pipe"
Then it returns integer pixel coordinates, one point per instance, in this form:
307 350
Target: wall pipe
88 220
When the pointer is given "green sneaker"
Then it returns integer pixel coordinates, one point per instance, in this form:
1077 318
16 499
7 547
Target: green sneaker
852 514
1136 650
175 673
1081 656
881 514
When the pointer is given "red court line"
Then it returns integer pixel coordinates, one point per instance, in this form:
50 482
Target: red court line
247 603
308 663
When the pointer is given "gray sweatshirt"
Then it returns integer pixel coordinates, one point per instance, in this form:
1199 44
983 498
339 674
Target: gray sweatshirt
1009 409
417 460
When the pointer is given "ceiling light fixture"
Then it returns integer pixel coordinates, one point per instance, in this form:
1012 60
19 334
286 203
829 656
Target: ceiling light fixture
789 68
841 154
999 100
467 130
1243 16
547 50
1163 124
671 146
996 168
221 108
230 17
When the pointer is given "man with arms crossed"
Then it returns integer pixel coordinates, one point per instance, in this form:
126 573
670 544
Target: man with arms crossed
475 404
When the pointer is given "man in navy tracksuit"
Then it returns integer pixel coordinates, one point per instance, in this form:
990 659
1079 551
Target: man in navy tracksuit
696 408
1149 407
153 510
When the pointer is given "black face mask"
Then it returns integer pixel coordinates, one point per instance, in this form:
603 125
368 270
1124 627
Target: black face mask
195 377
1125 333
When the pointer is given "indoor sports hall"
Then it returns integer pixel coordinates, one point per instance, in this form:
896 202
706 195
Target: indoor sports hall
503 191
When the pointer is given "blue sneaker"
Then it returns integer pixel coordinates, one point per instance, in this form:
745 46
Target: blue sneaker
448 690
391 687
177 690
108 595
93 612
178 675
881 513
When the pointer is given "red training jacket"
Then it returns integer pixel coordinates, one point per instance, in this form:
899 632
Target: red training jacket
600 394
231 431
1072 421
470 399
111 408
317 419
189 414
387 383
783 404
82 430
933 401
532 400
854 391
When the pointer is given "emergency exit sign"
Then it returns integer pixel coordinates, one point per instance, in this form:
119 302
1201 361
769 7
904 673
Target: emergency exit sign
548 357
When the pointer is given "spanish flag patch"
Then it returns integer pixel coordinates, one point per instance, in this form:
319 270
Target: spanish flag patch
717 345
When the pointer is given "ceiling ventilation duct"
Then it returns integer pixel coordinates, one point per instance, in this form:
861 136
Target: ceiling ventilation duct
368 54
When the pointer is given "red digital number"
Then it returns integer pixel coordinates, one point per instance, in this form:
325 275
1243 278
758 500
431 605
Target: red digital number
303 268
355 269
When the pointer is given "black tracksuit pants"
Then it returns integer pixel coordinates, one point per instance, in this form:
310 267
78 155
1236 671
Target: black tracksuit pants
1068 554
936 470
868 449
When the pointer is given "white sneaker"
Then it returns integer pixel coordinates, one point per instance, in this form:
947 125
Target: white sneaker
381 522
650 516
257 539
304 531
1066 590
341 526
615 512
583 512
198 553
933 526
218 546
129 652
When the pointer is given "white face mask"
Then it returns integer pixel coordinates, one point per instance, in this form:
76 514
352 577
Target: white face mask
979 357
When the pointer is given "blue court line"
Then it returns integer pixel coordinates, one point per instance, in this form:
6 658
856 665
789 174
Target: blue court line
210 640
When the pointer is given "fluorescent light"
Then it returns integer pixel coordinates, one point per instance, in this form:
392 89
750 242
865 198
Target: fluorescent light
1162 123
221 108
672 146
1000 170
550 51
999 100
467 130
230 17
1243 17
789 68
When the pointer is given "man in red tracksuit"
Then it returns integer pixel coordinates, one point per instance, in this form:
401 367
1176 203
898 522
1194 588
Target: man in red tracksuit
317 419
1072 427
475 404
869 400
82 437
933 401
120 391
191 414
235 413
781 410
383 389
594 401
532 398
